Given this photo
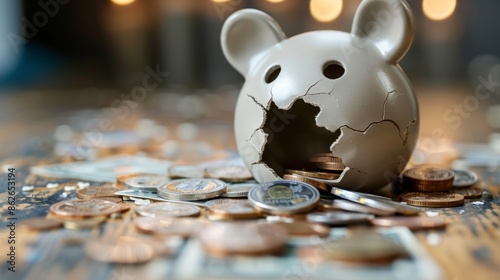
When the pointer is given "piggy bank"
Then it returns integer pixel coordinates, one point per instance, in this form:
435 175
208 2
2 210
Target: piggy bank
325 91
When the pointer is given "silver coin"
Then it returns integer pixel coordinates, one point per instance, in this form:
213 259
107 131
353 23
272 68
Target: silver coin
167 209
284 197
338 218
360 208
464 178
146 183
239 190
192 189
186 171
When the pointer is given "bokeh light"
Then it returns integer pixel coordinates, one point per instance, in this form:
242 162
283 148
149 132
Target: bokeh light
325 10
438 9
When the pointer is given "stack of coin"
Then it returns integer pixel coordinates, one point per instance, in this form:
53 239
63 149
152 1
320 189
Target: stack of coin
192 189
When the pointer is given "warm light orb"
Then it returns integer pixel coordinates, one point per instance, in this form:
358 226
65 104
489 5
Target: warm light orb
325 10
122 2
220 1
438 9
275 1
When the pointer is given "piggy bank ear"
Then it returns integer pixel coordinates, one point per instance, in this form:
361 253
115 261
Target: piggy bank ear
388 24
246 34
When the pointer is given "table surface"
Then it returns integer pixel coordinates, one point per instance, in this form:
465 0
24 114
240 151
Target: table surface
469 247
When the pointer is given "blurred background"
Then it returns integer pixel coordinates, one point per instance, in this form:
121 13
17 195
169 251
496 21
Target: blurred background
62 55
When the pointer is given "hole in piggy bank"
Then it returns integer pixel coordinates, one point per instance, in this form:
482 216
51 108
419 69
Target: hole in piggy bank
293 137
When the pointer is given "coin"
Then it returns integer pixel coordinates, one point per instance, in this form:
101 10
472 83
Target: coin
345 205
302 229
168 226
429 179
230 173
314 174
413 223
338 218
319 185
84 224
192 189
435 199
360 248
284 197
122 249
181 171
324 158
97 191
145 183
464 178
234 208
472 192
332 166
84 208
238 190
242 238
167 209
40 224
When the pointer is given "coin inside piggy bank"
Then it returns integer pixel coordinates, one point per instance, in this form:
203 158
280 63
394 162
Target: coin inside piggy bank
325 92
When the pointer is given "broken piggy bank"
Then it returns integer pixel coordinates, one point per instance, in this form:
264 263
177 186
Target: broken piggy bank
325 91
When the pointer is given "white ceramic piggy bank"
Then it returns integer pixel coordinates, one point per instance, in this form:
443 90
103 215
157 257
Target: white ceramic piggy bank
325 91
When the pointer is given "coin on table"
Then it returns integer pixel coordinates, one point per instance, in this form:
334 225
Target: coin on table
302 229
242 238
360 248
314 174
121 249
84 208
434 199
229 173
192 189
40 224
338 218
284 197
233 208
146 183
319 185
238 190
428 179
167 226
464 178
84 224
413 223
182 171
97 191
472 192
331 166
168 209
345 205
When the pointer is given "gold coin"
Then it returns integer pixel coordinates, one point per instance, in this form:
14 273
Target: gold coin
232 208
426 175
428 188
84 208
435 199
242 238
192 189
97 191
314 174
302 229
168 226
122 249
84 224
413 223
319 185
229 173
40 224
332 166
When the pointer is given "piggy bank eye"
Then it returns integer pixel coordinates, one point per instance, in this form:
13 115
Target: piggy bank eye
333 70
272 74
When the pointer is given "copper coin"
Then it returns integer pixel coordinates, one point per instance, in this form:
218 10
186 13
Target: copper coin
229 173
435 199
97 191
168 226
428 188
235 208
314 174
413 223
40 224
168 209
319 185
302 229
473 192
332 166
84 208
121 249
322 158
84 224
426 175
246 238
345 205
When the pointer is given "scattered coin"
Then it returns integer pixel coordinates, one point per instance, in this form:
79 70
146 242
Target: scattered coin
233 208
338 218
122 249
360 248
314 174
168 209
28 188
284 197
472 192
145 182
413 223
84 208
238 190
84 224
242 238
428 179
434 199
168 226
40 224
230 173
319 185
192 189
97 191
464 178
345 205
302 229
179 171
